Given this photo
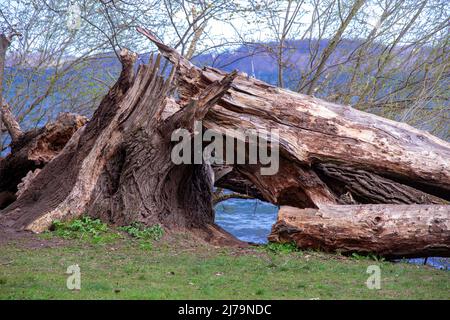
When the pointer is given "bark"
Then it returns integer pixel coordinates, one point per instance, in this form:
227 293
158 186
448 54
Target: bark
392 231
118 166
395 163
330 155
32 150
6 116
11 125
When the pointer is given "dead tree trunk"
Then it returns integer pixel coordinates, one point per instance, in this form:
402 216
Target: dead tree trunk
118 166
332 154
327 150
32 150
392 231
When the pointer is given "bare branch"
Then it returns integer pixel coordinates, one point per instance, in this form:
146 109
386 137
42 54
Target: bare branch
10 122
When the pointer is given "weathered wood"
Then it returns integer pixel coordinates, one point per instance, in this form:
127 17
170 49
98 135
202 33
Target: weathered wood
11 125
6 117
71 177
332 154
370 187
118 167
33 150
414 164
294 185
392 231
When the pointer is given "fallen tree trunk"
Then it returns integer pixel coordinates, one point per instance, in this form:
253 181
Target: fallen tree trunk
118 166
32 150
392 231
406 165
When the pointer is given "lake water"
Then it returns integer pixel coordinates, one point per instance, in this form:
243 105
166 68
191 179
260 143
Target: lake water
252 220
247 220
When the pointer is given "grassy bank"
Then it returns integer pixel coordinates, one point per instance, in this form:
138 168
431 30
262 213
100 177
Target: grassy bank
116 266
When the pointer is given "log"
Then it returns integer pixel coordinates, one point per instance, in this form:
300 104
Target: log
32 150
333 155
391 231
409 165
118 166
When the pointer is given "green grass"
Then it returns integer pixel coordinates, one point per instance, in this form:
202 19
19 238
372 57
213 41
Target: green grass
139 231
85 228
281 247
121 268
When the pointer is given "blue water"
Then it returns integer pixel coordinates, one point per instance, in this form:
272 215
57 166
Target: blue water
252 220
438 263
247 220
